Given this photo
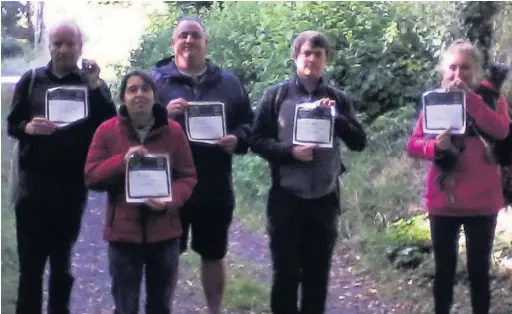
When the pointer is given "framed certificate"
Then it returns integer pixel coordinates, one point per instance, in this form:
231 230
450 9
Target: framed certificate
66 104
148 177
205 121
444 110
313 125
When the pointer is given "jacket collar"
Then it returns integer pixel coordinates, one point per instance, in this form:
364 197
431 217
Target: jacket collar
159 115
489 85
167 69
320 88
76 73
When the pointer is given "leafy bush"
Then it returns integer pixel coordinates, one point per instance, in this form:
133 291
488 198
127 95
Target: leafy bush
414 230
382 57
12 48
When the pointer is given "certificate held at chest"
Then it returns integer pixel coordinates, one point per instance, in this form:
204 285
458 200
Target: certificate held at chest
66 104
313 125
148 177
444 110
205 121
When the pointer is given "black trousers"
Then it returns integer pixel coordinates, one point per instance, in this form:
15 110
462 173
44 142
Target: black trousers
302 237
479 232
46 229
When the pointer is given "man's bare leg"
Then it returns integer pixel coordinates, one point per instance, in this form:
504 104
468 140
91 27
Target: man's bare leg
213 277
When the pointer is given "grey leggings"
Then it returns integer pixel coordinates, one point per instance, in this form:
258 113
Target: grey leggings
128 262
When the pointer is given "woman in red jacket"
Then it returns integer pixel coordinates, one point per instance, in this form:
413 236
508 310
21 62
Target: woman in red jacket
471 194
142 237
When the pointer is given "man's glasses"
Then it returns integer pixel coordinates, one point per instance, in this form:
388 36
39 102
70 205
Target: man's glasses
194 35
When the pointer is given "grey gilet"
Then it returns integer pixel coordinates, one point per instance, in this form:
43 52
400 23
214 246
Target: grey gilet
311 179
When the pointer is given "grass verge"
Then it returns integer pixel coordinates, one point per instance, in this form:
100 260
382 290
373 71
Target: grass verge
243 293
9 254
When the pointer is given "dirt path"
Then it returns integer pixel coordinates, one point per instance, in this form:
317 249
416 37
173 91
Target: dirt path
92 286
348 294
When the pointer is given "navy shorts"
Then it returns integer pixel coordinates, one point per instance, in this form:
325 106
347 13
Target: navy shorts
208 227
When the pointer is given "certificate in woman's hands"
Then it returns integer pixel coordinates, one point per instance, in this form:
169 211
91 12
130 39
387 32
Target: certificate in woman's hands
66 104
148 177
443 110
205 121
313 125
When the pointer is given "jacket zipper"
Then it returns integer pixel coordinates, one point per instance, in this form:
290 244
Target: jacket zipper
114 204
195 90
143 215
113 217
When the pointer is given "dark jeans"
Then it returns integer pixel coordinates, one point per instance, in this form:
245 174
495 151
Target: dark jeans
479 232
46 228
302 237
128 262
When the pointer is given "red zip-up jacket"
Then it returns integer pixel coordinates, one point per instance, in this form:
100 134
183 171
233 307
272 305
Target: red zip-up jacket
475 184
105 171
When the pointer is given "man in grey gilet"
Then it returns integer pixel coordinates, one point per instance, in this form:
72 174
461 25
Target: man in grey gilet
303 203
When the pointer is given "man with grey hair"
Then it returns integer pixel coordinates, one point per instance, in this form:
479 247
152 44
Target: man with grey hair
189 76
50 189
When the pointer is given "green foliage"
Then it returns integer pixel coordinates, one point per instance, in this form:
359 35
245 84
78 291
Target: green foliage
122 4
478 20
414 230
13 13
503 44
16 37
247 294
385 52
12 47
382 182
382 57
190 7
389 131
243 292
253 180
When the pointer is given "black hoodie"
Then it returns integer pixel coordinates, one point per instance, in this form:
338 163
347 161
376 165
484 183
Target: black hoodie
54 162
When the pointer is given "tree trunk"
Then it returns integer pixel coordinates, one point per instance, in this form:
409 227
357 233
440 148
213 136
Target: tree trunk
40 25
27 12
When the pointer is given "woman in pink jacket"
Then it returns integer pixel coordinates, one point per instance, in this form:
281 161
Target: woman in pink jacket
470 194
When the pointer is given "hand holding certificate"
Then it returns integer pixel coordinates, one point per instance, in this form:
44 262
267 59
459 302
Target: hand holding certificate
148 177
205 121
444 110
155 204
66 104
228 143
304 152
176 106
40 126
314 124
